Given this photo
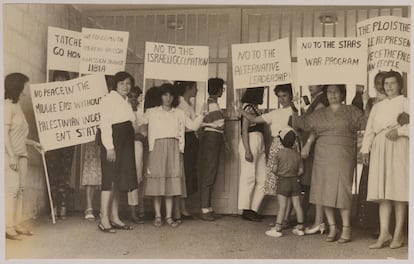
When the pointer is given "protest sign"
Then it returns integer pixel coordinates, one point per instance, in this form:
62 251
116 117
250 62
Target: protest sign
67 113
332 61
176 62
63 49
103 51
261 64
388 45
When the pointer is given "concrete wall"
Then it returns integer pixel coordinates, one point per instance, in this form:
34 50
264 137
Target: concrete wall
25 45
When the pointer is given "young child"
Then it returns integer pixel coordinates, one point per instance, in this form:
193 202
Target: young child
287 167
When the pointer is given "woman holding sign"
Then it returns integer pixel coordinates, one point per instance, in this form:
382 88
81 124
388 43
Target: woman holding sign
16 130
117 151
278 119
165 171
387 140
334 158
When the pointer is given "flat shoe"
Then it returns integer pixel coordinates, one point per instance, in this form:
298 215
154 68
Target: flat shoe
188 217
12 237
106 230
24 232
171 222
123 227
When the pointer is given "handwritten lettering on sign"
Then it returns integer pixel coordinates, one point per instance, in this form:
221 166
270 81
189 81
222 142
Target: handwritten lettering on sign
63 49
321 59
103 51
261 64
176 62
67 113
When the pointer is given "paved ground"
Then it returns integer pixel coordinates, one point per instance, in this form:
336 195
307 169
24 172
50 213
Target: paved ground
228 238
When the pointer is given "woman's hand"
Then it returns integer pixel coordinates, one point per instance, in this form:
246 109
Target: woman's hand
110 155
365 158
403 119
37 146
392 134
305 151
13 163
248 156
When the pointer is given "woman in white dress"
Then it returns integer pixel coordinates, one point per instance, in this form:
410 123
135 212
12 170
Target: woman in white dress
386 147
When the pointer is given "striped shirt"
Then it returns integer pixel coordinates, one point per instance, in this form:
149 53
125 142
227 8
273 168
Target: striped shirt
215 115
19 129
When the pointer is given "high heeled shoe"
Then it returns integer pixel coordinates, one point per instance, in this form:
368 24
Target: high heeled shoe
345 235
333 233
396 244
380 244
313 230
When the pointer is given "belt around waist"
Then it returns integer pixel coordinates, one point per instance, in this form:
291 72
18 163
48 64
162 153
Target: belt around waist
336 140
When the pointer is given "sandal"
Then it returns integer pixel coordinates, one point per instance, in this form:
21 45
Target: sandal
106 230
123 227
89 214
157 221
171 222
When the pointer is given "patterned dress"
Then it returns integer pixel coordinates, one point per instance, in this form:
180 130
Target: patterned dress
91 172
335 153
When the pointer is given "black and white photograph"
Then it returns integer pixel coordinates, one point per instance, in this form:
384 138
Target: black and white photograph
186 131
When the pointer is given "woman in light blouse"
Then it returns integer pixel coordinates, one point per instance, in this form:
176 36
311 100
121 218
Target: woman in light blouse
165 171
117 151
386 148
16 130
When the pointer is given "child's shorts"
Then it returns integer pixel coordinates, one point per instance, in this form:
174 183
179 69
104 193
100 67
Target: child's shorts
288 186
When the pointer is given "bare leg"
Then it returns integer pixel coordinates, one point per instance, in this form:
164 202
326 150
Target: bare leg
283 201
169 205
157 206
288 210
298 209
400 212
89 196
385 207
329 212
114 211
106 197
346 225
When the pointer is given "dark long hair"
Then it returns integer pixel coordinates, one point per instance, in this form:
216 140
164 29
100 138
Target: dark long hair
253 96
14 85
169 88
152 97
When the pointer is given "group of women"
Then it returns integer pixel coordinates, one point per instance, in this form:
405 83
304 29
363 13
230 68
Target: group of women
326 139
327 132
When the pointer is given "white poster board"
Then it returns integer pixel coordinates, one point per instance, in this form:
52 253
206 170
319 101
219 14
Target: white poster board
67 113
332 61
63 49
176 62
103 51
261 64
388 45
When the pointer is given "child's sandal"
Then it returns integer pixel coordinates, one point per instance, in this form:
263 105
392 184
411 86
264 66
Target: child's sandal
89 214
171 222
